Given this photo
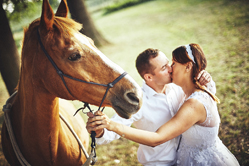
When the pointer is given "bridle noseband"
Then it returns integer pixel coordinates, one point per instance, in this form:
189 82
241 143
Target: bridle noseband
62 75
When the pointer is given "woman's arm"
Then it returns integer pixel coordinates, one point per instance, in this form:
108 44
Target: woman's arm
190 113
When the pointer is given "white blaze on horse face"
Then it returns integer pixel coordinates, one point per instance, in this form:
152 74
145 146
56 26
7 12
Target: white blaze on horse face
106 60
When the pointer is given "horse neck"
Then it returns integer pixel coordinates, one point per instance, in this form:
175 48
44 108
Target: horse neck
37 109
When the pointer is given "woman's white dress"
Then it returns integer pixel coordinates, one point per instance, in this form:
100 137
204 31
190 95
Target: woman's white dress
200 144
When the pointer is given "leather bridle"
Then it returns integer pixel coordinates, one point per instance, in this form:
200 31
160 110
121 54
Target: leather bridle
62 75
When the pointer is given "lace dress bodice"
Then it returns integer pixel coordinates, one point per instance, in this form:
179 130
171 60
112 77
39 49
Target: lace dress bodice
200 144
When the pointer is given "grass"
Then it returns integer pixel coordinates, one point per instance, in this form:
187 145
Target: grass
220 27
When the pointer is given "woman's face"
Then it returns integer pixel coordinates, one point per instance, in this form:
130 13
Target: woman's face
178 70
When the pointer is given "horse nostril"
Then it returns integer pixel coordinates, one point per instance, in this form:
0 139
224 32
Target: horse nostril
132 98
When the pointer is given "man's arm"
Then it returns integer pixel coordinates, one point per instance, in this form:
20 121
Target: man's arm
205 79
104 136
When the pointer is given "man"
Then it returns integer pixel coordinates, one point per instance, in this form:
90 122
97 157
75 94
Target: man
161 100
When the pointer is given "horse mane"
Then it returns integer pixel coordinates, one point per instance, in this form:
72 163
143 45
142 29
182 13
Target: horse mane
62 25
66 25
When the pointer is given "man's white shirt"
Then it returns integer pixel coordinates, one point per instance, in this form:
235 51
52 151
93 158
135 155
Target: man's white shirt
157 109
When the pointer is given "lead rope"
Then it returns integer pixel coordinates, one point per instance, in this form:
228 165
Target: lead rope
86 105
90 159
21 159
75 135
93 156
6 109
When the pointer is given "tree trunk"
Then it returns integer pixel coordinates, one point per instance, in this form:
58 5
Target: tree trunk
9 56
80 14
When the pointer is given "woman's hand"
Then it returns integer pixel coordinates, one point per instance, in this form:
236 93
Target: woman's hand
97 123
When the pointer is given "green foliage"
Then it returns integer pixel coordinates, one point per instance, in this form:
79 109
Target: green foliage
24 10
121 5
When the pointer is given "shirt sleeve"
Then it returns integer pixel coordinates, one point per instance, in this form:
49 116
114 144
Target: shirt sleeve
109 136
211 87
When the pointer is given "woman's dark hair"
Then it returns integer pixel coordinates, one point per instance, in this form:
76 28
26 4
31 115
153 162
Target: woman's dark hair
180 55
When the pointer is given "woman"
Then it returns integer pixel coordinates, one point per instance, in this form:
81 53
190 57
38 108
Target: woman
197 120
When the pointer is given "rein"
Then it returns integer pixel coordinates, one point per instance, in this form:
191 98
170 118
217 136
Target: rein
108 86
6 109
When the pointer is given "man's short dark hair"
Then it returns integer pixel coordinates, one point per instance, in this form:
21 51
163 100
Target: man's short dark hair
143 61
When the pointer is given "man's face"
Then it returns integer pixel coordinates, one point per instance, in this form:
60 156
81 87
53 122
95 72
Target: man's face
162 72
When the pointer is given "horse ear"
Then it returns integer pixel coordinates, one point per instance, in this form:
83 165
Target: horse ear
47 17
62 10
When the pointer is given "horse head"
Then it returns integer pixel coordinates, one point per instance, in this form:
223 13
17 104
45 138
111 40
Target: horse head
76 56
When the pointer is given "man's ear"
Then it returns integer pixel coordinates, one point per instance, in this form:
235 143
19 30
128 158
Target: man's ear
189 66
148 77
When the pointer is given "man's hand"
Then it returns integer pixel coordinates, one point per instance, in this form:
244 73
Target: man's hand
90 125
204 77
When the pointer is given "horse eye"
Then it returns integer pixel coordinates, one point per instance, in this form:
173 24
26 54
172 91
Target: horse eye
74 57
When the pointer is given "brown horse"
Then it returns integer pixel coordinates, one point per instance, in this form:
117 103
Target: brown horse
41 136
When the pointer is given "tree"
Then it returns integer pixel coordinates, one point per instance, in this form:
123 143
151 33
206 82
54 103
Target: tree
9 56
79 13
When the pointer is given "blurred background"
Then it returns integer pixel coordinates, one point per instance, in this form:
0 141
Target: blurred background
124 28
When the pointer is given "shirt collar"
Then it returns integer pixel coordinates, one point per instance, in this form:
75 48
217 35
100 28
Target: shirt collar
149 91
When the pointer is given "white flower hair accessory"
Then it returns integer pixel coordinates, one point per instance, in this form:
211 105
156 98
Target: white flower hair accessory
188 49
